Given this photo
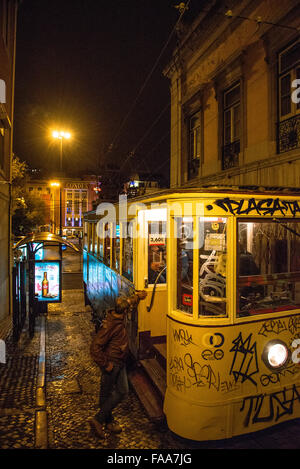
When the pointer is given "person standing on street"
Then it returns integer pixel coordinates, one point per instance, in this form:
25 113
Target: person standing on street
109 350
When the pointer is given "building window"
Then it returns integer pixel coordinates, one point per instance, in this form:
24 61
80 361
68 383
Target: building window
232 126
289 111
194 155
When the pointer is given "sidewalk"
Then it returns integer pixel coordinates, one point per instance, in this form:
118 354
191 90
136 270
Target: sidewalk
18 389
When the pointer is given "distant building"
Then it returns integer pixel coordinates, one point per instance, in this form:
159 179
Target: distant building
234 115
41 190
67 199
139 185
8 16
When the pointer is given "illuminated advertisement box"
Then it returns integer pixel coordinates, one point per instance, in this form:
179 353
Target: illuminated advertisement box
48 281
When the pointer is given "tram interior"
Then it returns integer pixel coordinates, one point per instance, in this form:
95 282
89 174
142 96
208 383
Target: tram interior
268 266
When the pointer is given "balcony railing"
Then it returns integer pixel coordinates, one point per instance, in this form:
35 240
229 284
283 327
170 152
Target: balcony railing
230 155
288 134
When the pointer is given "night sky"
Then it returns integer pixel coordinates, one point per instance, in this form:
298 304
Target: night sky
81 65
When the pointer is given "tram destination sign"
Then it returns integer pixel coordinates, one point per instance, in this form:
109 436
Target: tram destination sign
268 206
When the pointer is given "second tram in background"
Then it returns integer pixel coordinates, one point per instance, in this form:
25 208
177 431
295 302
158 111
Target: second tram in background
217 342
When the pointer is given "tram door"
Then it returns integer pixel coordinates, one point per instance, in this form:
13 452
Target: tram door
152 271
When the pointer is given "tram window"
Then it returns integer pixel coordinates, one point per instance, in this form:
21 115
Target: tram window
212 266
157 252
107 233
268 266
184 228
85 236
95 237
127 252
99 232
116 247
91 225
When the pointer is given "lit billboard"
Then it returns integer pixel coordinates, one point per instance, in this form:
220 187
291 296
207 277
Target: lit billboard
48 281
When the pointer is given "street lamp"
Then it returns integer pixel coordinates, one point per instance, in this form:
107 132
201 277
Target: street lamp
57 184
61 135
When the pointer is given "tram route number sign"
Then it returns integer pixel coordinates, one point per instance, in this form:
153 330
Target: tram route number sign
157 239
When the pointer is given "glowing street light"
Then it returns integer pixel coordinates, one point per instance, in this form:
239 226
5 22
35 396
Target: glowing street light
61 135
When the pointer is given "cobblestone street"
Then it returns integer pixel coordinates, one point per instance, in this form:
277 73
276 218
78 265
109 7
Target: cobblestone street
72 384
73 387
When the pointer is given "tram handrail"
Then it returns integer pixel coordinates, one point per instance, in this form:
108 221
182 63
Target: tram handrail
154 288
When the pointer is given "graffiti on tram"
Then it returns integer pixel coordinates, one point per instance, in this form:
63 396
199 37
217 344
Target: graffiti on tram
263 207
213 362
270 407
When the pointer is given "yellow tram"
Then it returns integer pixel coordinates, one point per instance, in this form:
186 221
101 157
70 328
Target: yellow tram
222 271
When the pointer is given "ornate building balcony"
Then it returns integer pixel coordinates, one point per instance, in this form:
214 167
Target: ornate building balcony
230 155
288 134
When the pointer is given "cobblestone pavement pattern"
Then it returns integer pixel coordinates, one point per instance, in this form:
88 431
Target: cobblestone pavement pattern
72 395
18 378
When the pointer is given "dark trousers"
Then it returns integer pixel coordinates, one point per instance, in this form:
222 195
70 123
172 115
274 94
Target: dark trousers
113 389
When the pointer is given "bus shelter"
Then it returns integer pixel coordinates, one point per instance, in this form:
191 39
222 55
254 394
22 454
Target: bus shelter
37 276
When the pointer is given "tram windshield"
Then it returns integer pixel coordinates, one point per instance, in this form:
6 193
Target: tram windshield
185 246
127 251
157 252
268 266
211 249
212 266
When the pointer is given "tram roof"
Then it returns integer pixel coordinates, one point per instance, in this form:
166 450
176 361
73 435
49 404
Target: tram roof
164 194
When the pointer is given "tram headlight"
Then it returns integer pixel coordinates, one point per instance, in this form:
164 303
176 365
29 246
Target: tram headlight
275 354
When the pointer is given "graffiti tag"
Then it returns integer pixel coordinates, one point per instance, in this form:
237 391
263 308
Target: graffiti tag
274 378
260 207
183 337
277 326
244 364
270 407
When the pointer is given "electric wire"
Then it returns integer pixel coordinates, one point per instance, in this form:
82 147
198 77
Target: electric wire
149 76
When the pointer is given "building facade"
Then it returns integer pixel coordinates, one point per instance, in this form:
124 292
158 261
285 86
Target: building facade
235 111
8 19
66 200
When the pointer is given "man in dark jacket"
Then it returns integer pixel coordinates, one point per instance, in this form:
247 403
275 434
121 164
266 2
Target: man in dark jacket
109 350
